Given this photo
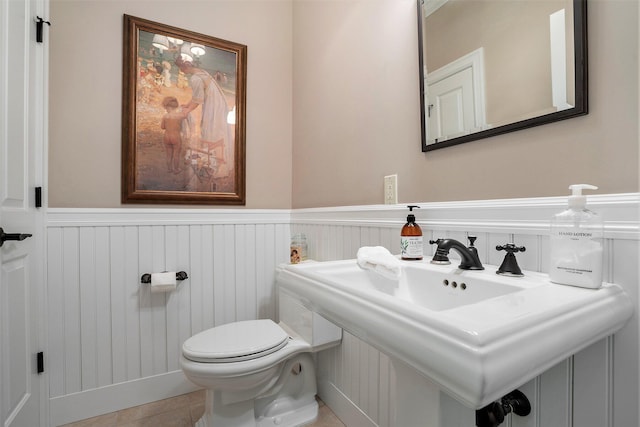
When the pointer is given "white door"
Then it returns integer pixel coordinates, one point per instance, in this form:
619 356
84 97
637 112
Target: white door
455 98
22 391
451 106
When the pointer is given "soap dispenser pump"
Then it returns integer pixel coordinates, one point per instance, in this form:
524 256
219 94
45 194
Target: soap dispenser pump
576 243
411 238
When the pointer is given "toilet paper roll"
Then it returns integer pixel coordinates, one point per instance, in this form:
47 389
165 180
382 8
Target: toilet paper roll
163 282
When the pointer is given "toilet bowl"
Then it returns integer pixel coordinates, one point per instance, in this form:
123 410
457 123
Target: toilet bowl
256 374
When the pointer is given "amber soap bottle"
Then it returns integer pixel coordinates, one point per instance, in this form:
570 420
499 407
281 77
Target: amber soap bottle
411 238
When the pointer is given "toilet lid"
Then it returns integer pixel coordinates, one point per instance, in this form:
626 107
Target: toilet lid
235 342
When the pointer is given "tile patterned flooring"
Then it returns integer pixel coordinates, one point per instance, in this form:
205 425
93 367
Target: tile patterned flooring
179 411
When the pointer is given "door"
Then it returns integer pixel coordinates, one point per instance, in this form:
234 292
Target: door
455 100
451 107
22 389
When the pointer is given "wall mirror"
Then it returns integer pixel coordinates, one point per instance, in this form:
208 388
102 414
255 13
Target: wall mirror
489 67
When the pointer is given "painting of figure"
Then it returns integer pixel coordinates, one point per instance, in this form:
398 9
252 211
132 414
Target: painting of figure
184 129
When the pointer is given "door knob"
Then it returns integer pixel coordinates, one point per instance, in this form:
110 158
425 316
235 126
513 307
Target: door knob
11 236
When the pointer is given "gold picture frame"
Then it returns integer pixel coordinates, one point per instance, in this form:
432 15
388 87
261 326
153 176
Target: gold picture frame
183 116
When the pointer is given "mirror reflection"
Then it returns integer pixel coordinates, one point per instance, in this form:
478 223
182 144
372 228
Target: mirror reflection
493 66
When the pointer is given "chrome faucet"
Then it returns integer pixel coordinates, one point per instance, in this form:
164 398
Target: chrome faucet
469 255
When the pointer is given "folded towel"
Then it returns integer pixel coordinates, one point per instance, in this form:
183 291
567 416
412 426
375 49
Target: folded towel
380 260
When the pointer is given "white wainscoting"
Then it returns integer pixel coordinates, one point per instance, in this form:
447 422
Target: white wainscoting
598 387
113 343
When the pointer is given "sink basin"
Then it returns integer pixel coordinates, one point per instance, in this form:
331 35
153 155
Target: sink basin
426 287
475 334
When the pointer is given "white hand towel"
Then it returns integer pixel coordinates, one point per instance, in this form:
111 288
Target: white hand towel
163 282
380 260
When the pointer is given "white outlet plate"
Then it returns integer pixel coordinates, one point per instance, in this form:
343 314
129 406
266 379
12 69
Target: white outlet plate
391 189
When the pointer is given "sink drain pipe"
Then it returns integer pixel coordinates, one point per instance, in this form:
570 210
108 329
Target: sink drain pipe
493 414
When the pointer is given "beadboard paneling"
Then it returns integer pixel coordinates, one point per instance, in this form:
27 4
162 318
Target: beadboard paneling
107 329
112 343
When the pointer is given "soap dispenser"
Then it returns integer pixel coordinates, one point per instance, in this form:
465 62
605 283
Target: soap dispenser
576 243
411 238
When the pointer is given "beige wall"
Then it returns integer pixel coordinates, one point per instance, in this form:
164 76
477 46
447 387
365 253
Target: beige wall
340 108
356 115
86 89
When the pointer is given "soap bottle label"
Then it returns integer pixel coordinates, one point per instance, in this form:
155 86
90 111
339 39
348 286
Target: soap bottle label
298 248
576 259
411 247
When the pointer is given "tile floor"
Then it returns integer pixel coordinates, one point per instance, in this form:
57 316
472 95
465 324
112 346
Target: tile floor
179 411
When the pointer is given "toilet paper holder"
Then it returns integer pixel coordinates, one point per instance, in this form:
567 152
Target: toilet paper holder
180 275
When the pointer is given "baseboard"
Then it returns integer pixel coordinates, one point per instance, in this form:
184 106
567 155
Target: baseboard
116 397
342 406
103 400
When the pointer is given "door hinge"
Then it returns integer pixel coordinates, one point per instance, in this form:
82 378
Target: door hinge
40 362
39 26
38 197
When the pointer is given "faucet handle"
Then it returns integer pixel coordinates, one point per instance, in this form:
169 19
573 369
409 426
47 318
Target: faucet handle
441 255
510 248
509 266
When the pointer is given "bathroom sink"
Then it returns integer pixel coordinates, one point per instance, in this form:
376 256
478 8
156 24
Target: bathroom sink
475 334
456 290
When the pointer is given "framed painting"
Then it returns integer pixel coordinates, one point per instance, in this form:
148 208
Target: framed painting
183 116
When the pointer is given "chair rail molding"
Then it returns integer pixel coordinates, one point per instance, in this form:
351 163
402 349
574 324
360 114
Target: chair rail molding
525 216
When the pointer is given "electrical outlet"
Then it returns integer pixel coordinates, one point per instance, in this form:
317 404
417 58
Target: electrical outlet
391 189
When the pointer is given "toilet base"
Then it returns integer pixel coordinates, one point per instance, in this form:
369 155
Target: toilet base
300 417
287 400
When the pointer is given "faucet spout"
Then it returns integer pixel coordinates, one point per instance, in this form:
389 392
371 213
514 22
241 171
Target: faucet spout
468 255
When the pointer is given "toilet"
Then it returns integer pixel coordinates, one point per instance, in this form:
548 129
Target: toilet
258 373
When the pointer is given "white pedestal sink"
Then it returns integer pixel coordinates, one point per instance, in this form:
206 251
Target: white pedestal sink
472 334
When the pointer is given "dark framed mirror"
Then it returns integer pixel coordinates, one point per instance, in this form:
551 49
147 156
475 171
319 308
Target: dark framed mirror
489 67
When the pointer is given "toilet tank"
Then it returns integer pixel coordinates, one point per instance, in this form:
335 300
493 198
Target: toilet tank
310 326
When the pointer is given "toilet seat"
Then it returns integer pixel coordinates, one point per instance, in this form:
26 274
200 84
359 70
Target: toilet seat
235 342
